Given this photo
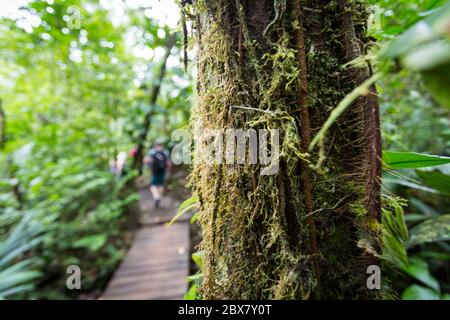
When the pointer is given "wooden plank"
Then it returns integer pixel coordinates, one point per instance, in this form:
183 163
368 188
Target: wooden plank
132 264
147 288
146 269
156 265
174 294
149 280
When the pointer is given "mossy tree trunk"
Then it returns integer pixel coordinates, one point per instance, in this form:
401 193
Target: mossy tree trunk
297 234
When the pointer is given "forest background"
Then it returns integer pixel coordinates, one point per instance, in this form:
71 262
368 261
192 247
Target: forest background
77 81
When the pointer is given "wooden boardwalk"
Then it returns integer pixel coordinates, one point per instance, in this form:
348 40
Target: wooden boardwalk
157 263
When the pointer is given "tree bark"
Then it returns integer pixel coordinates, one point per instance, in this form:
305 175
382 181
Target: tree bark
274 237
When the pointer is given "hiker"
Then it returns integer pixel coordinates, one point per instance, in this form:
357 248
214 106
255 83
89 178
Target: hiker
159 162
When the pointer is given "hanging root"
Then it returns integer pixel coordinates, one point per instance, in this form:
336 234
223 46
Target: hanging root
368 105
185 40
305 130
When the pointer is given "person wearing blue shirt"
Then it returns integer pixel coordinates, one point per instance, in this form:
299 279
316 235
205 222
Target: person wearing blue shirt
159 163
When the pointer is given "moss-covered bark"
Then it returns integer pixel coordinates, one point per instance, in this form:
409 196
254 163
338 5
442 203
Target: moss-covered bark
259 232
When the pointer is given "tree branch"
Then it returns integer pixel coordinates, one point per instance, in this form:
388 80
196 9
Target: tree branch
137 161
305 133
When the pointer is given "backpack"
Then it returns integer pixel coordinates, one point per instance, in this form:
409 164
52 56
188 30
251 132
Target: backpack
159 162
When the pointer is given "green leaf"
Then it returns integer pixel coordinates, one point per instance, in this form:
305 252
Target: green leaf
418 269
433 27
194 217
17 278
198 277
16 275
199 258
16 251
416 35
8 182
436 179
15 290
401 160
425 47
410 184
415 217
192 293
361 90
429 56
416 292
436 80
432 230
394 234
93 243
187 205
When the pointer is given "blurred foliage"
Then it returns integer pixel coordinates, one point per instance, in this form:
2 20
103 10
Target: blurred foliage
73 98
416 119
18 278
425 48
